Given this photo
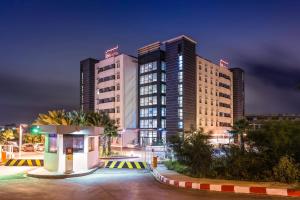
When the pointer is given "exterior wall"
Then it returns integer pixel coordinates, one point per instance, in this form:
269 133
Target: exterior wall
120 102
87 84
187 49
211 95
93 156
126 138
238 93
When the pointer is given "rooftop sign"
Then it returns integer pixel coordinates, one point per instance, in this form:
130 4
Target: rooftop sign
112 52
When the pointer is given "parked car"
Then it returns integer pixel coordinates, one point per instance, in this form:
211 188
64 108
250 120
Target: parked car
39 147
14 144
28 147
219 153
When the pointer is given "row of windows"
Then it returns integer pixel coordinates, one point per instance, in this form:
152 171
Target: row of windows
225 105
225 124
106 100
146 101
224 85
148 133
222 114
149 89
224 95
148 78
148 112
148 67
107 89
224 76
148 123
109 110
102 69
107 78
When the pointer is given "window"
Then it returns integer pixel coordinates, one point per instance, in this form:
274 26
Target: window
163 77
148 78
180 99
163 66
91 143
180 89
163 100
163 123
150 89
163 88
180 62
52 143
148 67
118 98
118 75
75 141
118 109
146 101
180 124
163 112
148 123
118 64
180 77
118 86
180 114
148 112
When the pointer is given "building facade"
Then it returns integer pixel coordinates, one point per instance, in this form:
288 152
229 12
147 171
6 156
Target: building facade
151 94
87 84
238 90
116 89
214 98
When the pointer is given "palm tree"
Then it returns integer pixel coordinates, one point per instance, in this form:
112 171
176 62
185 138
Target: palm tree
241 127
6 135
78 118
56 117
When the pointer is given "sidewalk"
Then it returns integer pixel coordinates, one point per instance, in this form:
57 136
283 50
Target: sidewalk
170 177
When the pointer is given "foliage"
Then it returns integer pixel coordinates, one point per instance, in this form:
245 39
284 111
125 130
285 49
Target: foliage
241 127
29 138
175 165
58 117
6 135
195 152
286 170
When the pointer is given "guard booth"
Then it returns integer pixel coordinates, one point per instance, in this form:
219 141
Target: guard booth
71 149
6 152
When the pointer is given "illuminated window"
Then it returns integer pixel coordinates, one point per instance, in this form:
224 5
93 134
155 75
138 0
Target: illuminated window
180 99
52 143
180 89
180 124
180 77
163 77
163 88
163 100
180 114
163 112
163 123
75 141
163 66
180 62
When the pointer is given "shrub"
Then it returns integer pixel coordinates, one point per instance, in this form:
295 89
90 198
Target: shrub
286 170
175 165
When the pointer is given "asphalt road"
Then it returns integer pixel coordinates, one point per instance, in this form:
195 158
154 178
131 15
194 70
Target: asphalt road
107 184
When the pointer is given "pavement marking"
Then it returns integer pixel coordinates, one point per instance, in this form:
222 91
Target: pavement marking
125 165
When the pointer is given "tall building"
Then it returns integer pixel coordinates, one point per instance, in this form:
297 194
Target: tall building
151 93
214 98
116 89
180 91
238 89
87 84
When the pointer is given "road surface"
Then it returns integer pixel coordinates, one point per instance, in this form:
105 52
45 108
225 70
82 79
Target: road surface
110 184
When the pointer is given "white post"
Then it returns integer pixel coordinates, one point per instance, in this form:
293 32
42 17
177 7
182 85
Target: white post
20 140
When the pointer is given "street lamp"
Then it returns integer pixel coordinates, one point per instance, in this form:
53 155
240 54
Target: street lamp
20 137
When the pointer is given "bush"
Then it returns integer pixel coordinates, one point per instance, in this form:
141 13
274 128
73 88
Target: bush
175 165
286 170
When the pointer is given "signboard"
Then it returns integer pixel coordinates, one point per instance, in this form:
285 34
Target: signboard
69 160
112 52
224 63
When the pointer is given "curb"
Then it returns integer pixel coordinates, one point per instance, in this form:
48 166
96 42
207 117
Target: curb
225 188
62 176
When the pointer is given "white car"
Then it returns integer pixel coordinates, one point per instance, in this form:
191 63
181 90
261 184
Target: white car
39 147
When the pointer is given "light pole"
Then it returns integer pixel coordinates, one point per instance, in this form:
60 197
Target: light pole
20 137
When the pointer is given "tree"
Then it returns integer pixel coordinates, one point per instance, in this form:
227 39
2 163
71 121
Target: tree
56 117
5 135
241 127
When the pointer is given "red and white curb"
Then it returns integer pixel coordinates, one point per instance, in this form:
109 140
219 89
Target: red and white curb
225 188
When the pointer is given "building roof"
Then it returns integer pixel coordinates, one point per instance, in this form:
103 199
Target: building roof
179 38
71 129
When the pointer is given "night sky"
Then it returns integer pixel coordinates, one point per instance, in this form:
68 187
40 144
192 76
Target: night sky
42 43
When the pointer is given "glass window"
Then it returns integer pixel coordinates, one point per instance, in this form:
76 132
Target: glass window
180 99
180 114
180 62
75 141
163 112
91 143
180 77
163 77
163 123
163 100
163 88
52 143
180 124
180 89
163 66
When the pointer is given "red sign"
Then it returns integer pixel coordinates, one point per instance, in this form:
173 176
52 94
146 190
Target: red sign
112 52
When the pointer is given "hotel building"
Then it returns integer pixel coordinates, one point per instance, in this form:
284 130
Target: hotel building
116 89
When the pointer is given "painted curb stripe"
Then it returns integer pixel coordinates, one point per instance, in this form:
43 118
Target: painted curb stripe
24 162
226 188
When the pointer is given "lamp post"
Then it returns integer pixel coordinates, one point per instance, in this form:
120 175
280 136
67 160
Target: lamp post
21 137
